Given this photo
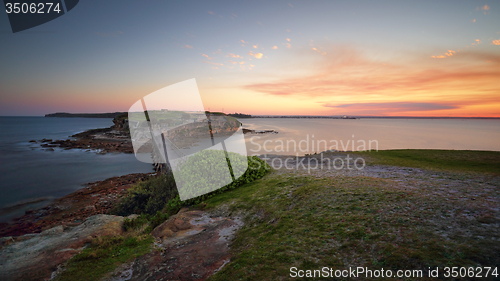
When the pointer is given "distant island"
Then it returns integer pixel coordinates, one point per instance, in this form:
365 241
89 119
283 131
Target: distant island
242 115
86 115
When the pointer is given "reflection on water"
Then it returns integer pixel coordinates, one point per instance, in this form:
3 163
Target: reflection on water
301 136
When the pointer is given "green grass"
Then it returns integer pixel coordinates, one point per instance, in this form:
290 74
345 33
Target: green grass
103 255
309 223
448 160
341 221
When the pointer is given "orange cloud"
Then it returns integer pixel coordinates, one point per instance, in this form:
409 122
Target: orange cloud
210 12
495 42
258 55
438 57
485 7
206 56
255 46
275 47
345 77
233 55
474 20
450 53
288 39
188 46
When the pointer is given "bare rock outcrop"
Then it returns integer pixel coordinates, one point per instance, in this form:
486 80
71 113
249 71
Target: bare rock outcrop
193 246
36 256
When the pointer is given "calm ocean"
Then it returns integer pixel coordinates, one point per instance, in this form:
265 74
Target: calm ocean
29 172
301 136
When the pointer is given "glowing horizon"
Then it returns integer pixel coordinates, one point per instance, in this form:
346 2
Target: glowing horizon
327 58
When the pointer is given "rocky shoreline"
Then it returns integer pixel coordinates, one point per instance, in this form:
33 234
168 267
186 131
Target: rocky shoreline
96 198
105 140
63 228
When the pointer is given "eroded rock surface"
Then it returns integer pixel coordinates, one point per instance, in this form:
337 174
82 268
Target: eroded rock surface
193 245
36 256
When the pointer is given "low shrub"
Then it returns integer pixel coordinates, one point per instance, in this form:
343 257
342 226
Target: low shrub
159 194
147 197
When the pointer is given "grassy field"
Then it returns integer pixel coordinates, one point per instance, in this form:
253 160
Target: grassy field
440 219
340 222
447 160
104 255
444 215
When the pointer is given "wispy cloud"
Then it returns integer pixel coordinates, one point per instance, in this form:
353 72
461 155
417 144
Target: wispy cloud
233 55
275 47
257 55
213 63
206 56
348 77
450 53
483 8
187 46
495 42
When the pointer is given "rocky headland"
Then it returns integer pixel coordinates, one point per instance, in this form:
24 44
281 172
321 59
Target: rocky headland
114 139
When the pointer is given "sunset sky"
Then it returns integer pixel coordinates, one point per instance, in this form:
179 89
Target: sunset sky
387 58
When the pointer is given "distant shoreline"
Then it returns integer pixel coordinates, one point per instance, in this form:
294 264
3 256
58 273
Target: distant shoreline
86 115
245 116
365 117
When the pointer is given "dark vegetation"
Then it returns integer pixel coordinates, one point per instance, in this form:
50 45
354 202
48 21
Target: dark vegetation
160 194
155 200
240 115
86 115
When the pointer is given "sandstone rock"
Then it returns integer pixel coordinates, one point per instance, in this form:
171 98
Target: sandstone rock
194 253
35 257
